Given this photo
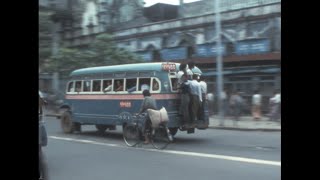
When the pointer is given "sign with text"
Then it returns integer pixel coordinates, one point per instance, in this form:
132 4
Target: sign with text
174 53
125 104
209 50
253 46
168 67
145 55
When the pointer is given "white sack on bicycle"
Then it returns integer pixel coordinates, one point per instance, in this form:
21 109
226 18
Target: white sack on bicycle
158 116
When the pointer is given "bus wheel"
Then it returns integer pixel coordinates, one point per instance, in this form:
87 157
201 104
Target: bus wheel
173 131
66 122
101 128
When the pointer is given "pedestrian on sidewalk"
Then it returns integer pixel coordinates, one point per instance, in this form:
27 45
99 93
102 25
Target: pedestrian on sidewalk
210 98
275 103
235 105
256 105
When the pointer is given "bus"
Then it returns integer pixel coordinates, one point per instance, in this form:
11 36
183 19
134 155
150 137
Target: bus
108 96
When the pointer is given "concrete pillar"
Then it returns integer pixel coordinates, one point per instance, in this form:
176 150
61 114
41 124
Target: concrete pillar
55 82
181 9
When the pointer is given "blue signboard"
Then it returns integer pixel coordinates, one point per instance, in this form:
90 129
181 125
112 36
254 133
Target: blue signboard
174 53
209 50
145 55
253 46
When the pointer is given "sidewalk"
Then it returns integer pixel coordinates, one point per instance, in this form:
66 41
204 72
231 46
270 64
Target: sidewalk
245 123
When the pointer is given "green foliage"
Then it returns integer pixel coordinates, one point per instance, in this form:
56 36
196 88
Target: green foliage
102 52
45 40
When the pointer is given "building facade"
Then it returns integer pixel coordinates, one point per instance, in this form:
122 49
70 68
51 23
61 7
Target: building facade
251 36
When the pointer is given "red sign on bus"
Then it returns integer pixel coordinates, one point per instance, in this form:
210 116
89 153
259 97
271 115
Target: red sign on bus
168 66
125 104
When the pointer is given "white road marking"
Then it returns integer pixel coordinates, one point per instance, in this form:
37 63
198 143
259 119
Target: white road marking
215 156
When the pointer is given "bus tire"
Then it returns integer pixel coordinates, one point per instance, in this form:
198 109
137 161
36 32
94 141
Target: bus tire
66 122
101 128
173 131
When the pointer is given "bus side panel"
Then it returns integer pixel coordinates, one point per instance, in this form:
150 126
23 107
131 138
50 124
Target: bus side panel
107 112
172 108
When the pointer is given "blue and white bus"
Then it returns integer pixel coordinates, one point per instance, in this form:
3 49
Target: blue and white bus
89 100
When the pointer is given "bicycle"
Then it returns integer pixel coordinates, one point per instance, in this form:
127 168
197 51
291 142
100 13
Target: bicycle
160 137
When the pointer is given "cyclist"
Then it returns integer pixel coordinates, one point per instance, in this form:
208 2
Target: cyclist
147 103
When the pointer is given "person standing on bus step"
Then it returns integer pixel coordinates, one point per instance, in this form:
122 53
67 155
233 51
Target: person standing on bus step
185 100
147 103
196 98
182 71
256 105
190 66
203 86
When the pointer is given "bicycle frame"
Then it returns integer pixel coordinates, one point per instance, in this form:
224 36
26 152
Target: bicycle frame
160 137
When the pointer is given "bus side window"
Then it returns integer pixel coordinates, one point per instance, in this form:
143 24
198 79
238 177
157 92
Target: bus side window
96 85
131 85
107 85
78 86
118 86
71 87
144 83
87 86
155 85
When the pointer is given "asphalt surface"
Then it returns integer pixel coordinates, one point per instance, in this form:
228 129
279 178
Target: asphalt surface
206 154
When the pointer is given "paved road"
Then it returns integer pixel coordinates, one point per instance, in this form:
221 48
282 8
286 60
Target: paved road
207 154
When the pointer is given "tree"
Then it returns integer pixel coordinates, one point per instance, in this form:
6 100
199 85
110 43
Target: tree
102 52
107 53
45 40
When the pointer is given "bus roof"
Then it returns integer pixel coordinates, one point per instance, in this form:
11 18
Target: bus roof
156 66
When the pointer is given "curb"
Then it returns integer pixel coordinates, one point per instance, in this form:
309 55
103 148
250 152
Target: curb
243 129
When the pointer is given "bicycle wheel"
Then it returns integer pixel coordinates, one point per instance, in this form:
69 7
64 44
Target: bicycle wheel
131 135
159 137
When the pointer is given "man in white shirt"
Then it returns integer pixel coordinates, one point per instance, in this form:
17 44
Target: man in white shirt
256 105
275 106
196 98
203 86
182 70
190 66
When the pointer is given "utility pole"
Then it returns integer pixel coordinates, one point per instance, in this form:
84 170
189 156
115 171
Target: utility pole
219 62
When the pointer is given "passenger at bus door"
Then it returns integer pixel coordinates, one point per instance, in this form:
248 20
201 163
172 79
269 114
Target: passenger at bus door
174 84
196 98
119 86
109 87
190 66
182 71
185 100
147 103
203 86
